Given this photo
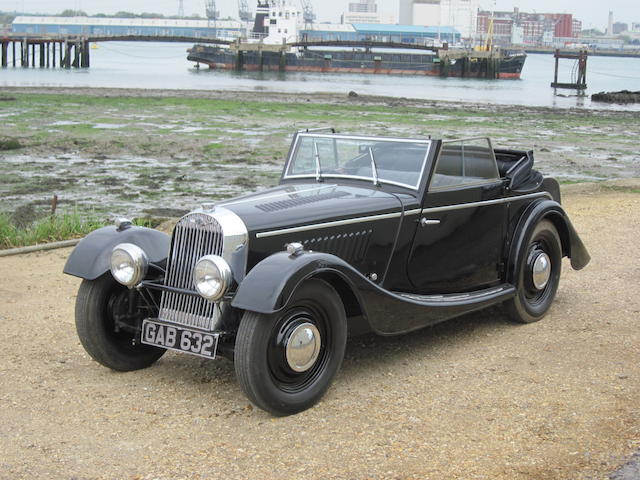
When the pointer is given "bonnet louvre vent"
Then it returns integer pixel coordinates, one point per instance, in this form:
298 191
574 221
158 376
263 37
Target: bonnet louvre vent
295 202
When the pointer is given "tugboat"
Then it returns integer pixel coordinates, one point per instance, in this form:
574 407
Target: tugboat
276 44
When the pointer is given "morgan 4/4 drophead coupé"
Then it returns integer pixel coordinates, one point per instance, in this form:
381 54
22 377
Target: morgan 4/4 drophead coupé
387 234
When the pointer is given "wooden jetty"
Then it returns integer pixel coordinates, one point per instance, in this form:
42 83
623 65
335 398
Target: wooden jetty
581 80
44 51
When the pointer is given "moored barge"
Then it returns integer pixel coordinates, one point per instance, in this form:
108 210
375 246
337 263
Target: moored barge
391 61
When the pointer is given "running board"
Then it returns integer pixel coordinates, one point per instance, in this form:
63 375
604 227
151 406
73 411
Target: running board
493 295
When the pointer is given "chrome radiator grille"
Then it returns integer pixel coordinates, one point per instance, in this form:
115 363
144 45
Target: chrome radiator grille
194 236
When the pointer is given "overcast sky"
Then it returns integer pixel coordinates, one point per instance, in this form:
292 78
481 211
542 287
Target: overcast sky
592 13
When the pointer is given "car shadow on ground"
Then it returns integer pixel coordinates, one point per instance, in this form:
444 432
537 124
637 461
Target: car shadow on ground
363 352
370 349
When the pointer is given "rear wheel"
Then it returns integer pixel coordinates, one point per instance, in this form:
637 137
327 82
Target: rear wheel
286 361
107 317
539 275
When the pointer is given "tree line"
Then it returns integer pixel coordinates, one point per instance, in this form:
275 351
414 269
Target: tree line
6 18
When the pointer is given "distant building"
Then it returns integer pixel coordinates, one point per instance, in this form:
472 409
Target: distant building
232 29
635 27
619 27
127 26
518 27
610 23
366 11
459 14
576 28
416 34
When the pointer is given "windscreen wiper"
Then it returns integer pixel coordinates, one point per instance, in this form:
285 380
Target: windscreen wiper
317 157
374 169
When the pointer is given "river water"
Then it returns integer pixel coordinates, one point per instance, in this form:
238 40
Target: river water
164 66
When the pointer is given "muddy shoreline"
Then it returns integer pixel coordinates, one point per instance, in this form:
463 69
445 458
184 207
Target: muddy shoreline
313 98
159 153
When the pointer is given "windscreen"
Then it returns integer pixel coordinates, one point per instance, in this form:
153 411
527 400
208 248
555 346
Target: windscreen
379 160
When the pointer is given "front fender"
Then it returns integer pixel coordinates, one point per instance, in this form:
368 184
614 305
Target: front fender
91 257
269 285
572 245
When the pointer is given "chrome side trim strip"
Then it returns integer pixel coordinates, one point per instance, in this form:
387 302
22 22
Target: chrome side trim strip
459 206
350 221
456 296
336 223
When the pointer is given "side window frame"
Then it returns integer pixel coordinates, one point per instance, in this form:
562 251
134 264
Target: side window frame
464 179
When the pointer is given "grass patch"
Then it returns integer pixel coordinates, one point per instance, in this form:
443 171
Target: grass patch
48 229
564 181
10 144
622 188
213 146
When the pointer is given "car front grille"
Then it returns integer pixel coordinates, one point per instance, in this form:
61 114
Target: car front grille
195 235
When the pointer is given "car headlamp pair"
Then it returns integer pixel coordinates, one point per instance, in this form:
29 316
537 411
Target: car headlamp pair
211 275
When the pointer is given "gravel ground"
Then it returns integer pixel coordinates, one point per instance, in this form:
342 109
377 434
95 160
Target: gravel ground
473 398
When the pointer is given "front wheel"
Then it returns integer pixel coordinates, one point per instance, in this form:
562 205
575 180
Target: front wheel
108 315
286 361
539 275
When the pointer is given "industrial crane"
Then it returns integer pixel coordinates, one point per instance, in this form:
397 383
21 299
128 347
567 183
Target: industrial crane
307 13
243 11
212 12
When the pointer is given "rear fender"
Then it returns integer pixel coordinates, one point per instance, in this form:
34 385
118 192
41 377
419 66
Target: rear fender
572 245
91 257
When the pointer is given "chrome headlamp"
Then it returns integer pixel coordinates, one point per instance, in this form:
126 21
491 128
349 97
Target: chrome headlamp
129 264
212 277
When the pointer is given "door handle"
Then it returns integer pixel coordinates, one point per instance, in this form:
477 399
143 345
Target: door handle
426 221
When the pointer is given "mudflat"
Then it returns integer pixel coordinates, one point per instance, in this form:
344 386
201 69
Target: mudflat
159 153
473 398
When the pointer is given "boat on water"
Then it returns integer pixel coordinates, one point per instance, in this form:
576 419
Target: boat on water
278 42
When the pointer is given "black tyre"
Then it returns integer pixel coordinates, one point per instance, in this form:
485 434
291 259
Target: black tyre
539 275
109 342
285 362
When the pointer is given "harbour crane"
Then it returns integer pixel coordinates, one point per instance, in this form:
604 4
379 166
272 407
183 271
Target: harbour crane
212 12
307 13
243 11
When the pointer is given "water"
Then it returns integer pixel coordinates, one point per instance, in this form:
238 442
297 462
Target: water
164 66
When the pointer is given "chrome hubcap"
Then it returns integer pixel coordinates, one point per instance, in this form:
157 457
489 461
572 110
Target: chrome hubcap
541 271
303 347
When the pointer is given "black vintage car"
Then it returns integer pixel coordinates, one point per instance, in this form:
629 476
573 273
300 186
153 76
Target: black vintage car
384 234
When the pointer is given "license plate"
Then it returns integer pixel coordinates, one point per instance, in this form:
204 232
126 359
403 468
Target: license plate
181 339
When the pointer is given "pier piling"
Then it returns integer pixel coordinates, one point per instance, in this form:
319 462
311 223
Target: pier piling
45 51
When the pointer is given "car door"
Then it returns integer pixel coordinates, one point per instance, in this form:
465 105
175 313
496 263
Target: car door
458 243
